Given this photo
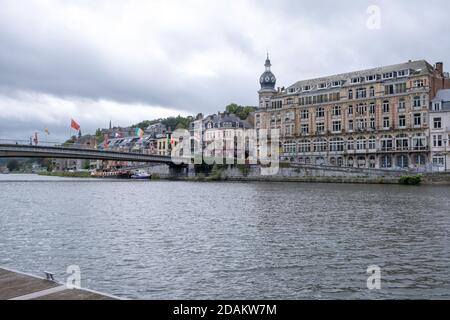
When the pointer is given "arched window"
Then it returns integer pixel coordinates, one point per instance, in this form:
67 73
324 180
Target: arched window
372 143
350 162
333 161
350 144
304 146
402 142
320 161
320 145
386 143
402 161
361 162
386 161
420 160
361 143
336 144
372 162
419 142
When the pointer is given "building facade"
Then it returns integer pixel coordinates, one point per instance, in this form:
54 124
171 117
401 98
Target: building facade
375 118
440 131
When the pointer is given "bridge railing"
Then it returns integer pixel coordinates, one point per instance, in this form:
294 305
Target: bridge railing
74 145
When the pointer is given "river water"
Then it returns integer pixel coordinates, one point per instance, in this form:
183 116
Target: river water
193 240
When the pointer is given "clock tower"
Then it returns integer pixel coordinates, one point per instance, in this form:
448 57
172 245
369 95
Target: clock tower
267 82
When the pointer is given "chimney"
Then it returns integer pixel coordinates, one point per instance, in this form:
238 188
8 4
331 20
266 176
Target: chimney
440 68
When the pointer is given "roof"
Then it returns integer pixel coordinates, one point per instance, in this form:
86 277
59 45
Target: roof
420 67
443 95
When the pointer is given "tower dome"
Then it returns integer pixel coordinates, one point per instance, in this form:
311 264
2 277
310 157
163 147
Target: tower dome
267 79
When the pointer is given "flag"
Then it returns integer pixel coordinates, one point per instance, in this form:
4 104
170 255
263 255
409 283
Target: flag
74 125
36 140
139 132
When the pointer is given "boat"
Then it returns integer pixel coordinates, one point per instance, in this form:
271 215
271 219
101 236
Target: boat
141 175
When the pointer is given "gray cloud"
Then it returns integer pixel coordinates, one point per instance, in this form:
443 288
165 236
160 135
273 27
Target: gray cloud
194 56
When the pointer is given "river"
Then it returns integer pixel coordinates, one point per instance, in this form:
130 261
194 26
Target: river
207 240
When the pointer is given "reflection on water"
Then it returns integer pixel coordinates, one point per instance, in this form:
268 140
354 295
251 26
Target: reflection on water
167 240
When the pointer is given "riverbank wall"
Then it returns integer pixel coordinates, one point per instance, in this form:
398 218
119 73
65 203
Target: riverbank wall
301 173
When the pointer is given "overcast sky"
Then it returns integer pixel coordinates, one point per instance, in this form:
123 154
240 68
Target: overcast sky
128 61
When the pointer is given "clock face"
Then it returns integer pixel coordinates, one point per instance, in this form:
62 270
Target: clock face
267 79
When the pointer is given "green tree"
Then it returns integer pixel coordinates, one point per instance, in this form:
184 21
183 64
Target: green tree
13 165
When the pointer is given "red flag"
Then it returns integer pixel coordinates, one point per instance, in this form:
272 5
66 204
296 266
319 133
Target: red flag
74 125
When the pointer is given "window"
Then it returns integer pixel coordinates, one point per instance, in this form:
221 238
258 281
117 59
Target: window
350 94
437 106
386 143
350 144
320 113
388 75
402 121
336 145
372 92
361 109
402 142
350 125
401 105
389 89
372 123
386 161
361 124
304 146
419 83
400 88
361 143
320 127
320 145
306 88
336 126
416 102
403 73
371 78
437 140
304 114
417 119
350 110
336 111
386 123
305 128
322 86
402 161
372 143
356 80
360 93
372 108
335 84
386 107
437 123
419 142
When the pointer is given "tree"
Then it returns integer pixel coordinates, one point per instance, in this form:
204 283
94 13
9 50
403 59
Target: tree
241 111
13 165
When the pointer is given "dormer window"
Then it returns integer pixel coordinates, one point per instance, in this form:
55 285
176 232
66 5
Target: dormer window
306 88
388 75
322 86
371 78
292 90
335 84
356 80
403 73
437 106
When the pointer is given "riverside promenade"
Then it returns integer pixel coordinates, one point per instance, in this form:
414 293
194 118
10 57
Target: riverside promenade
15 285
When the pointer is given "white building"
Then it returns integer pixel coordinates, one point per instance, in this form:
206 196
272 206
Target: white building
440 131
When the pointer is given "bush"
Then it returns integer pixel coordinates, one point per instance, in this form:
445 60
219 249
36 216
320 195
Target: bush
410 180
